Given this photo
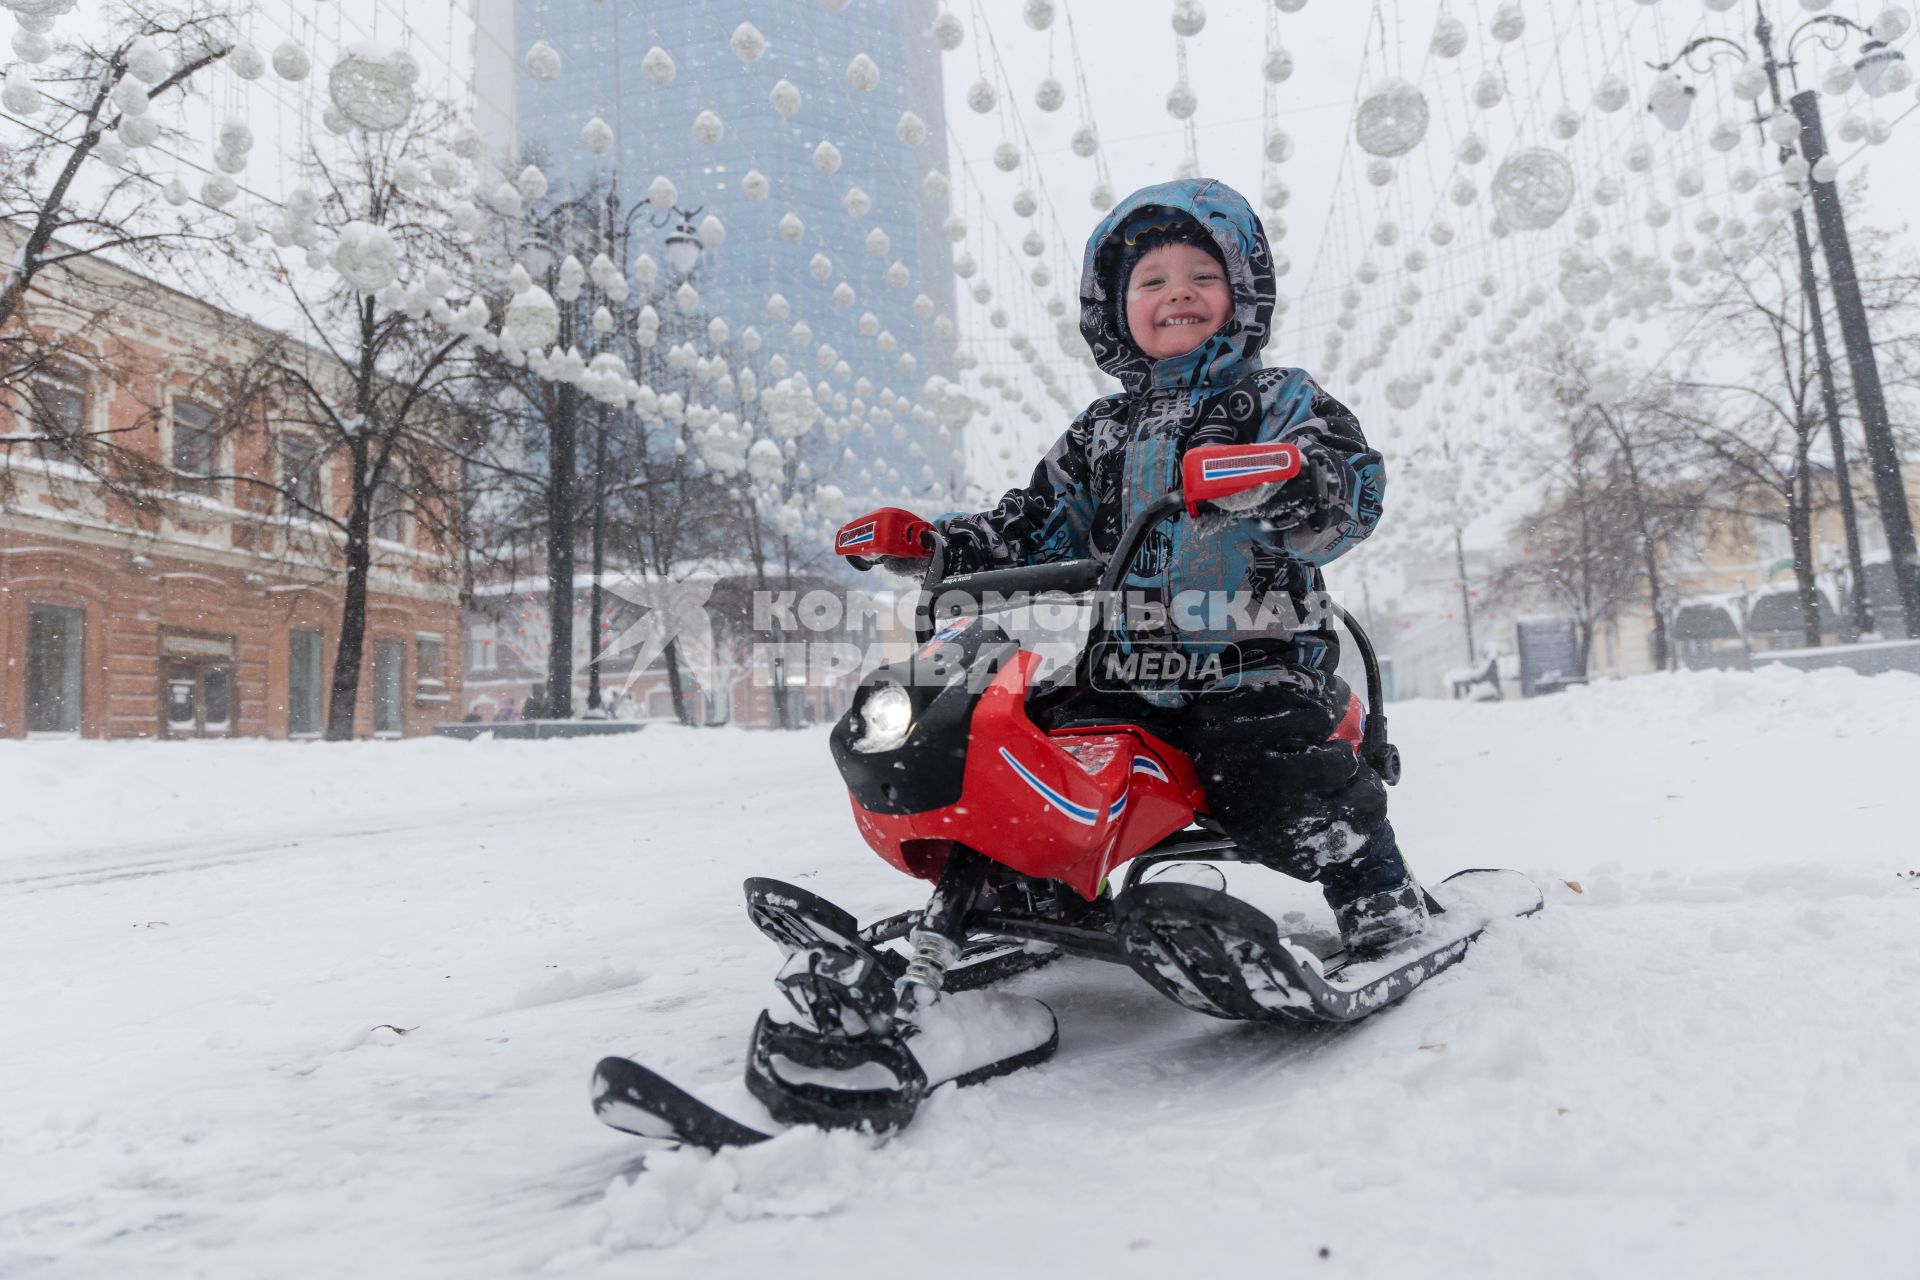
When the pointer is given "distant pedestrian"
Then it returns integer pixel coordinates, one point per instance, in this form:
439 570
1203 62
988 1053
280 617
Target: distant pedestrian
535 707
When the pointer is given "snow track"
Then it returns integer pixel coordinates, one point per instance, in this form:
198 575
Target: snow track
344 1023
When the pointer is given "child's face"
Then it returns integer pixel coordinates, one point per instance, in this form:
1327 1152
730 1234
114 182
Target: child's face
1176 297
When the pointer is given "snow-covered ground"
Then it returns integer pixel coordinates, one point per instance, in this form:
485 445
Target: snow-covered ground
303 1010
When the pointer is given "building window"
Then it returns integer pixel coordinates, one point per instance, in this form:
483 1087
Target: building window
389 507
194 448
59 408
305 680
429 681
300 476
389 663
54 636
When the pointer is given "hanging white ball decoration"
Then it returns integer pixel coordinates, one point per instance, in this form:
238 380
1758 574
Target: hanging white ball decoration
1850 129
1533 188
1038 14
533 318
711 233
1724 136
1565 123
1639 158
1279 146
1837 80
948 31
1182 101
1086 141
1893 22
1826 168
290 61
336 122
372 85
658 67
1032 244
820 266
1441 233
856 202
1025 204
898 276
543 60
130 96
247 62
1749 82
754 185
981 95
1189 18
687 298
935 185
1101 197
1449 38
878 242
1049 94
1277 66
217 189
708 128
785 98
1006 157
1392 118
1471 149
1689 182
862 73
1611 93
661 192
144 58
1463 192
1783 127
1379 172
791 227
531 184
1489 90
506 200
1275 194
1606 192
912 130
826 158
1509 22
747 43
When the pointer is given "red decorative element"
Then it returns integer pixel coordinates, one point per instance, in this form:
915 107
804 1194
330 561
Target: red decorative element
890 531
1221 470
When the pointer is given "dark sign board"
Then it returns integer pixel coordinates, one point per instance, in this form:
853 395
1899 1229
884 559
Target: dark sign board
1549 655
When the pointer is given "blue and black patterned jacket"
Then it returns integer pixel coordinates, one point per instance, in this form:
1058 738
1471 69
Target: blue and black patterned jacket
1123 452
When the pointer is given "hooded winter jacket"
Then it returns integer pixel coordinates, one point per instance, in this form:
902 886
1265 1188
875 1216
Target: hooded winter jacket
1123 453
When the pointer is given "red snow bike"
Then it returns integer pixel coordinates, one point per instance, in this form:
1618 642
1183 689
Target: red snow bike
962 774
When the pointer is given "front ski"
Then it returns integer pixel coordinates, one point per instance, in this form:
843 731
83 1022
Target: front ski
1220 956
796 1075
637 1100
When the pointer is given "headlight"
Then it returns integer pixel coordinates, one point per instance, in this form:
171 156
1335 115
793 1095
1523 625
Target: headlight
885 717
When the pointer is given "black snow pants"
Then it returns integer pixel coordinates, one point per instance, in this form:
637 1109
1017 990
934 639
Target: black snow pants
1289 796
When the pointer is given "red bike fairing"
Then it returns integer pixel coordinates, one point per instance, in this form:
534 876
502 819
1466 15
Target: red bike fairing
1068 806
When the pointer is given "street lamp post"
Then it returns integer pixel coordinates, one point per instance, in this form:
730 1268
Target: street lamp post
1889 487
1882 454
683 256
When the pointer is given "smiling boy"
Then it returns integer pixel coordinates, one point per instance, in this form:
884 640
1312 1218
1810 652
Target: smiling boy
1176 300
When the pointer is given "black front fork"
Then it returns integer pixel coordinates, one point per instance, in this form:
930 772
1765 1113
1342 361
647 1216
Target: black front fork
941 932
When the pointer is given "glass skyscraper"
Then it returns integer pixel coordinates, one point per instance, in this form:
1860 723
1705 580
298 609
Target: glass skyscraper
602 45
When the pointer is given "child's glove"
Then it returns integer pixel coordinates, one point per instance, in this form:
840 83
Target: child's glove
1303 499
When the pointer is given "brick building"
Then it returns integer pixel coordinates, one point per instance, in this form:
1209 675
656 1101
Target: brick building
167 601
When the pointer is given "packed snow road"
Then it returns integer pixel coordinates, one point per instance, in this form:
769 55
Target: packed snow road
310 1011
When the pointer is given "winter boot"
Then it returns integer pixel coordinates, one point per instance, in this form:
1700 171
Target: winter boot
1375 899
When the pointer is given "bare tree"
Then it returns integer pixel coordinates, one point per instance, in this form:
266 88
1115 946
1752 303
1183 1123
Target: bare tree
74 191
377 381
